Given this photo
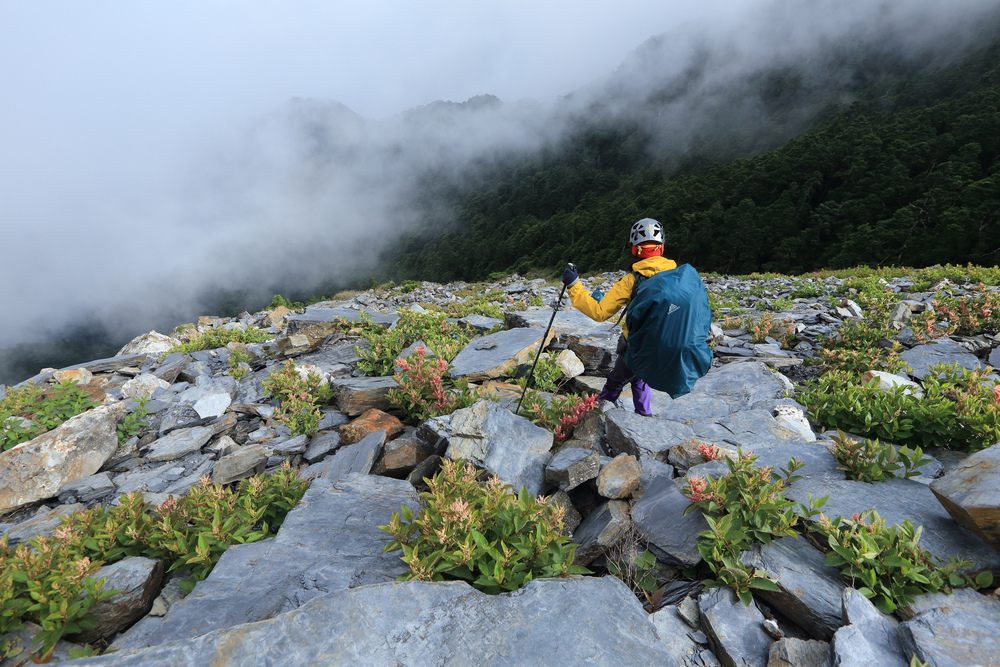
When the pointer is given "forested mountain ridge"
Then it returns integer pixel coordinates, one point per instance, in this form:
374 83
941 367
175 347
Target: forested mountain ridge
907 176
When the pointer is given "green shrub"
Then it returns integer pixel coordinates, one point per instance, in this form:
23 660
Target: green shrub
547 375
216 338
239 361
741 508
559 414
47 580
424 391
44 410
298 398
886 564
870 461
132 424
481 533
445 339
958 410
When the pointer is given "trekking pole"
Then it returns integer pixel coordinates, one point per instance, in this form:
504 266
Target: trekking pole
541 345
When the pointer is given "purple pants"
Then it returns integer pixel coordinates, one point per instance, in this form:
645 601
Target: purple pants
619 376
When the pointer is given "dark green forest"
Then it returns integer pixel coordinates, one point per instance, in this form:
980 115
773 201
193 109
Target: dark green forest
906 176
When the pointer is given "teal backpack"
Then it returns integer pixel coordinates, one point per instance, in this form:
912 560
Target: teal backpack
668 322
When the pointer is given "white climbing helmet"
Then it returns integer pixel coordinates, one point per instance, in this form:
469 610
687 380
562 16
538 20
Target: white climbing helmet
645 230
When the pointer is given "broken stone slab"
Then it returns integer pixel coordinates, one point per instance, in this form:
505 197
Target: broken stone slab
688 646
329 542
567 321
810 592
401 456
659 516
75 449
152 343
351 459
137 581
601 530
971 494
793 652
170 368
290 447
571 467
333 358
492 356
213 405
23 645
321 446
688 455
370 421
735 631
794 419
509 446
327 312
424 470
481 323
644 437
748 430
746 385
620 477
692 407
179 443
571 517
43 524
941 351
356 395
297 343
81 376
569 364
584 620
597 351
868 637
87 489
958 629
245 462
897 500
143 386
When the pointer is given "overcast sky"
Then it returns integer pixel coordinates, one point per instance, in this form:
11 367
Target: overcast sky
114 115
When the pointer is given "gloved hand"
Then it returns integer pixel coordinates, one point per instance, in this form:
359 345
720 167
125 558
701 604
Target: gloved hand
569 277
597 295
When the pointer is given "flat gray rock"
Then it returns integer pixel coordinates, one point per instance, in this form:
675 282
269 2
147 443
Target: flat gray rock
357 459
659 516
644 437
940 351
597 350
87 489
571 467
734 630
896 500
509 446
868 637
567 321
356 395
494 355
810 592
689 647
600 530
329 542
580 621
746 385
179 443
137 581
971 494
958 629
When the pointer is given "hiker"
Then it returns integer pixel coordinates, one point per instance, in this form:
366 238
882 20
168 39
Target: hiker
646 239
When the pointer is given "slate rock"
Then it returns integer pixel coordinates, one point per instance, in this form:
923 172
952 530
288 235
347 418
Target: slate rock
897 500
597 351
571 467
424 470
212 405
23 642
810 592
481 323
941 351
290 447
152 343
138 581
143 385
245 462
735 631
329 542
888 381
402 455
351 459
494 355
687 646
971 494
601 530
567 321
87 489
571 517
620 477
586 620
509 446
42 524
320 446
356 395
644 437
369 422
569 364
746 385
958 629
659 516
868 636
793 652
179 443
75 449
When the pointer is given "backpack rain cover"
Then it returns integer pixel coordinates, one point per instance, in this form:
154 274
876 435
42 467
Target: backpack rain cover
668 322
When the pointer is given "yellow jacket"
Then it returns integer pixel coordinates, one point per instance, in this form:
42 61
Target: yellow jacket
620 294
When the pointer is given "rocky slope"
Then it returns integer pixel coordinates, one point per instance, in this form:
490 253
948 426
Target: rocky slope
322 592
